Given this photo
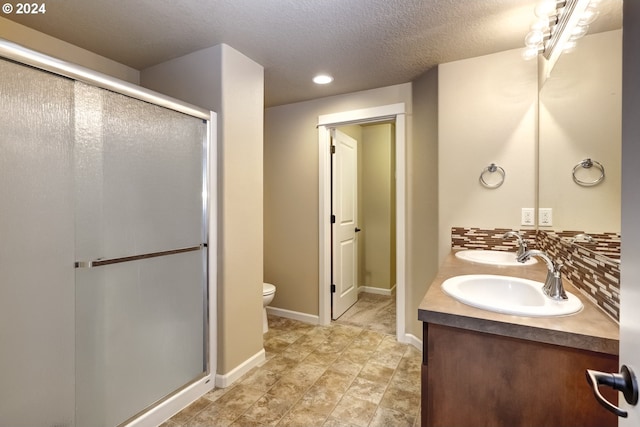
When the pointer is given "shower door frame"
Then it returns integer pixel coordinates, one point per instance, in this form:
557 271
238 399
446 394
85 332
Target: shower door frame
177 400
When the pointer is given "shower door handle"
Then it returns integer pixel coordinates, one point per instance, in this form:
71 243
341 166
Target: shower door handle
100 262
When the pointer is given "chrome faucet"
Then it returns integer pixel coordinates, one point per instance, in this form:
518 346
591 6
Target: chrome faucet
553 287
522 245
584 236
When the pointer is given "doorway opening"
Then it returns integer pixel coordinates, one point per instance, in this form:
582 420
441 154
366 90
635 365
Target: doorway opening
363 222
393 114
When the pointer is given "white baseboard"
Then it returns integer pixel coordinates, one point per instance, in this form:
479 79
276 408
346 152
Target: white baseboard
223 381
379 291
311 319
413 340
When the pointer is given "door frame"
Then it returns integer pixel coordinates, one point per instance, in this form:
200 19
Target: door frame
391 112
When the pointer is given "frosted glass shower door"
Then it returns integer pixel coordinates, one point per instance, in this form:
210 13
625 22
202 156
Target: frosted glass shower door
36 248
140 254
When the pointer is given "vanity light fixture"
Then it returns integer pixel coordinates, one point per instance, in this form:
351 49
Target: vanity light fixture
322 79
559 23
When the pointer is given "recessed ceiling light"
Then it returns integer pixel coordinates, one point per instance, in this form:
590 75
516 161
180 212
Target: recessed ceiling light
322 79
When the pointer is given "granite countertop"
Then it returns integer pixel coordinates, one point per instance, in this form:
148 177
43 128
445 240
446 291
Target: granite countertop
590 329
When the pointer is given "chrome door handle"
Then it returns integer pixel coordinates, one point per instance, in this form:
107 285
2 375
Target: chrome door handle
624 382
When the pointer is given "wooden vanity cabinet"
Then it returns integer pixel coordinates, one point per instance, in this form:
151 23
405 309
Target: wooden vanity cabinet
478 379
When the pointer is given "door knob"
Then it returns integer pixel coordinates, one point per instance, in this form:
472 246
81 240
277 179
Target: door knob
358 230
624 382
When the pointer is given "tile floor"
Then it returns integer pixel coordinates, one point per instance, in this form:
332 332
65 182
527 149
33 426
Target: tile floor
339 375
372 311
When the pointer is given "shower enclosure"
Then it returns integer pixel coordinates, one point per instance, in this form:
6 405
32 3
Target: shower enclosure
105 306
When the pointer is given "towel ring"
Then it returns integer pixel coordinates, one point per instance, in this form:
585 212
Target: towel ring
587 164
492 168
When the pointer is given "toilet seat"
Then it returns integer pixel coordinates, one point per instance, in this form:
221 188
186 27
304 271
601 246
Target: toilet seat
268 289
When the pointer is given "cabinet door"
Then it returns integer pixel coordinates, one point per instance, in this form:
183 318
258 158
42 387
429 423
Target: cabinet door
489 380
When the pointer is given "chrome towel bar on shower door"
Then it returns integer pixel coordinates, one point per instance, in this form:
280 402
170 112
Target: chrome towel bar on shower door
100 262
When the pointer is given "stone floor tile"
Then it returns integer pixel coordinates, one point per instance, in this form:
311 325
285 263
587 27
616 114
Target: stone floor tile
269 409
341 375
385 417
346 367
301 416
335 380
320 400
401 400
377 373
354 411
332 422
365 390
260 378
190 411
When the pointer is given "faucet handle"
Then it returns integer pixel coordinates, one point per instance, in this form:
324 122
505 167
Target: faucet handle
512 233
523 257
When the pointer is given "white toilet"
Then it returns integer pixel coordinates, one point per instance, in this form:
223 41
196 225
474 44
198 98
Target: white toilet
268 292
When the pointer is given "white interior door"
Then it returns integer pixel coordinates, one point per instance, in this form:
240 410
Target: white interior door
630 260
344 234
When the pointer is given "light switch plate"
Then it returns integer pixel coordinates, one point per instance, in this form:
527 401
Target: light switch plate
545 217
528 217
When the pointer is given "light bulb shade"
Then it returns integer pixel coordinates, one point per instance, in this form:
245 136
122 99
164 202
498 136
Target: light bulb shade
530 53
534 38
541 25
579 31
589 15
569 46
545 8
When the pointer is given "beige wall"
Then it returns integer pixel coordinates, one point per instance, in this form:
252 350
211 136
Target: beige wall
580 117
378 207
422 196
291 191
48 45
222 79
487 114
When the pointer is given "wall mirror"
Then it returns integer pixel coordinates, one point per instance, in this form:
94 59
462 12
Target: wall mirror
580 107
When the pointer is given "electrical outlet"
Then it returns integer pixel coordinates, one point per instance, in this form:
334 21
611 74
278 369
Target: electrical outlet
545 217
528 217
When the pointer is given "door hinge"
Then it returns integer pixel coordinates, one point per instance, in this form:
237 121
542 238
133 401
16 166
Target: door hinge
333 289
332 149
333 219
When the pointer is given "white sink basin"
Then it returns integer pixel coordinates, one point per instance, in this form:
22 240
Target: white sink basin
509 295
493 257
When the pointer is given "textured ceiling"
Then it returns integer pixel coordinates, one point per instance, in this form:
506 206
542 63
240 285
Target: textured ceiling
364 44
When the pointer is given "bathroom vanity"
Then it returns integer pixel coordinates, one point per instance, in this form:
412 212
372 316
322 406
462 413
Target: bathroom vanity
484 368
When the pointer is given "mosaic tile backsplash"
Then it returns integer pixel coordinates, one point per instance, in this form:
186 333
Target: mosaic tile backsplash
489 239
593 267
